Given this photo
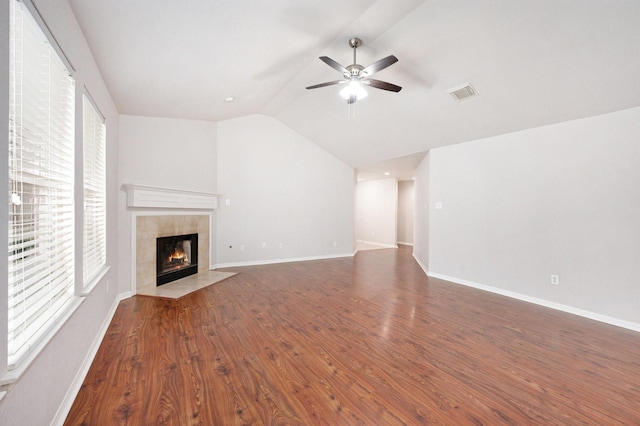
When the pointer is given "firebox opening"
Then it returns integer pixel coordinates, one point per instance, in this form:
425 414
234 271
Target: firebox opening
176 257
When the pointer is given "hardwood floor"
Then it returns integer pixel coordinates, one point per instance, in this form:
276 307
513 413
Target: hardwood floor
363 340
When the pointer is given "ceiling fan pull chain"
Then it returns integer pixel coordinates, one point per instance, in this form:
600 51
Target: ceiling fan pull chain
351 111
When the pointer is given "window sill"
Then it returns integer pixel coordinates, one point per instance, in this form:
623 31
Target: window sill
10 377
88 287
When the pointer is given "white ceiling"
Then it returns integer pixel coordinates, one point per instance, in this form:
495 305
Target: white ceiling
532 62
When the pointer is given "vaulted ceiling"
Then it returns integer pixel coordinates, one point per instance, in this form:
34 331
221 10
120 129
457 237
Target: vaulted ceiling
532 63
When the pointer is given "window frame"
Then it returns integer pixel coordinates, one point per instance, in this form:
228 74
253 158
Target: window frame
91 176
65 168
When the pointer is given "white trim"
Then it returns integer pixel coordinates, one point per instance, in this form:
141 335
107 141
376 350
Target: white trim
378 244
142 196
133 243
37 16
548 304
86 290
93 103
76 384
404 243
422 265
12 375
211 242
273 261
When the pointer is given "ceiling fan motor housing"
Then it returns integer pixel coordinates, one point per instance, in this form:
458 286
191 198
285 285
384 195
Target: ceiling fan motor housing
354 71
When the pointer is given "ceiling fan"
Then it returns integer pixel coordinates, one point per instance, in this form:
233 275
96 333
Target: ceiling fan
357 75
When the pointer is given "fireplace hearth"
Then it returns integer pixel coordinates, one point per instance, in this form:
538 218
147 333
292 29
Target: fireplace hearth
176 257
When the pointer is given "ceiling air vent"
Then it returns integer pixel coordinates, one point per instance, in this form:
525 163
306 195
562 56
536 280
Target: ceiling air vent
462 92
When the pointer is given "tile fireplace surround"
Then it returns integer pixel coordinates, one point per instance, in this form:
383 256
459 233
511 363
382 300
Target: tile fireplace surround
162 212
148 228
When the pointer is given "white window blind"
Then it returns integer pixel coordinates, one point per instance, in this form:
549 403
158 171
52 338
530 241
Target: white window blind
41 165
94 226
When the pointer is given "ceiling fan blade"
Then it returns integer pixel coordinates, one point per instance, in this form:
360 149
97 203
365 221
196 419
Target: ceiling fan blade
379 65
382 85
333 64
328 83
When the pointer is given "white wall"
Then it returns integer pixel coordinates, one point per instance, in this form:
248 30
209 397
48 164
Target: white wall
421 213
405 212
39 392
377 211
283 191
167 153
562 199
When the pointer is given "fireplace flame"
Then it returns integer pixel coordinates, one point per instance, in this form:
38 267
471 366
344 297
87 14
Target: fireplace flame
178 256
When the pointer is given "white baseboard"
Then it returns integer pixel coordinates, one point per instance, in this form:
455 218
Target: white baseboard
373 243
422 265
546 303
72 392
404 243
274 261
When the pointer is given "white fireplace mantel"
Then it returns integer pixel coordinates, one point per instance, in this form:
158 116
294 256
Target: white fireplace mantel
142 196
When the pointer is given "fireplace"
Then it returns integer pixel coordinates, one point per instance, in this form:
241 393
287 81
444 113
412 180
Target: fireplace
176 257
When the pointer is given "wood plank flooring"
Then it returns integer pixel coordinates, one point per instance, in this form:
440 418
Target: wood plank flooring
365 340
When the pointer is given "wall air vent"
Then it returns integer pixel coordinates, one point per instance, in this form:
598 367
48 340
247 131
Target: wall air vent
462 92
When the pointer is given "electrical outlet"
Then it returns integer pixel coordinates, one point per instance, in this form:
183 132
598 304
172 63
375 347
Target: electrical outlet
242 247
281 245
555 280
264 245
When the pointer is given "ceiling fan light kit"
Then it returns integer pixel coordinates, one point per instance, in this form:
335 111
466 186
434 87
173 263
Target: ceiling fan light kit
353 89
357 75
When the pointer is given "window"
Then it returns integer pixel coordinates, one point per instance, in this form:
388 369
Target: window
94 225
41 166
